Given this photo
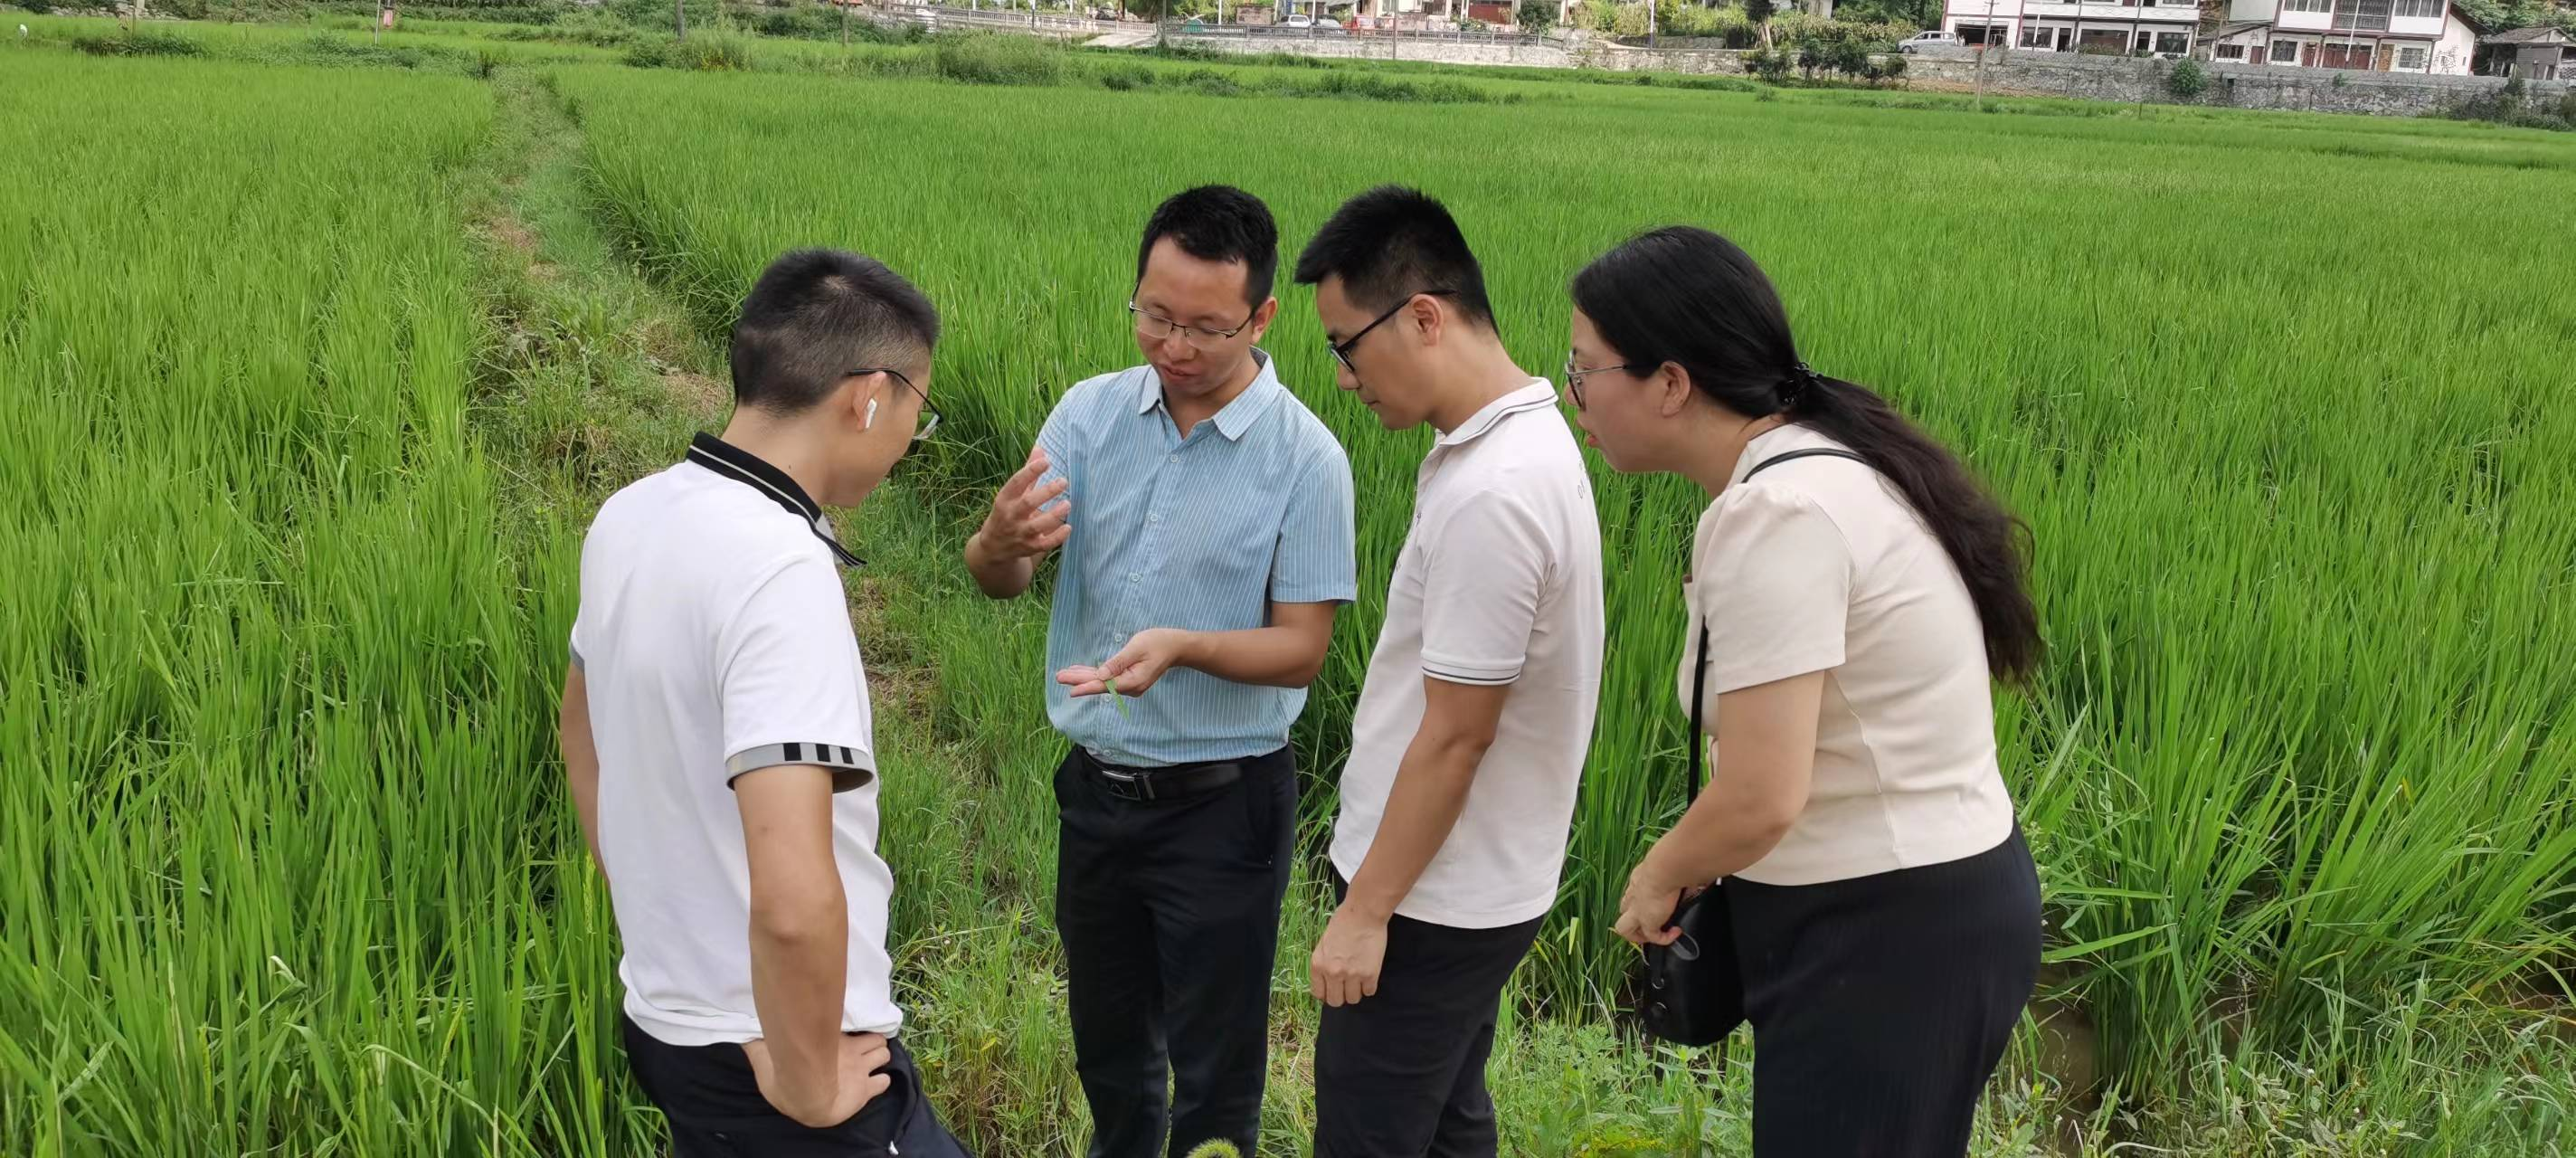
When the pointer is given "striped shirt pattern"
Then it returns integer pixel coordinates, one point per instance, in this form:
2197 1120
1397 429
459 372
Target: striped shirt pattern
1201 532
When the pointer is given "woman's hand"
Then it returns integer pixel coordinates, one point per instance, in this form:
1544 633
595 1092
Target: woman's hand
1646 909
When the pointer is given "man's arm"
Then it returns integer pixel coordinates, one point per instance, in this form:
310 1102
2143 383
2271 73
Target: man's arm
581 760
1458 722
1286 654
800 940
1021 528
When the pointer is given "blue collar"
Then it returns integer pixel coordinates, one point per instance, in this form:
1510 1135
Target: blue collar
1236 417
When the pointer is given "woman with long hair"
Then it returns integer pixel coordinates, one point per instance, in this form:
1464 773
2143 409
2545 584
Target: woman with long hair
1853 594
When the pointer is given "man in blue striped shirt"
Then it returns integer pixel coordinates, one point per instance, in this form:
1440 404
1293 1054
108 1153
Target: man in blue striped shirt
1205 517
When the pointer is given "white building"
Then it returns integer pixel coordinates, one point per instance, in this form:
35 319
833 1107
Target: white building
2161 27
2429 36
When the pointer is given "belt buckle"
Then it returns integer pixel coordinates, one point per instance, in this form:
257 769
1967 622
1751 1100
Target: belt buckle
1127 785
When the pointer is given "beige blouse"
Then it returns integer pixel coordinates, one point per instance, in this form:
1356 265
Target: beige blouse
1821 565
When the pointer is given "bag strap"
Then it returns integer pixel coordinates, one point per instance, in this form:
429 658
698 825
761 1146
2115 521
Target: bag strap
1699 667
1699 695
1810 452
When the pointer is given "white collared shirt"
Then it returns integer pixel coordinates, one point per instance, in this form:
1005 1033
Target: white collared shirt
1499 582
715 640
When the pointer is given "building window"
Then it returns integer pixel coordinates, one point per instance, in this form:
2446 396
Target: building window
2231 52
2034 36
2307 5
2146 42
2173 42
2410 59
2421 9
2285 52
2362 15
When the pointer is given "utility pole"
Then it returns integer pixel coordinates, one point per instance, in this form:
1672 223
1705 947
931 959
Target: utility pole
679 20
1985 44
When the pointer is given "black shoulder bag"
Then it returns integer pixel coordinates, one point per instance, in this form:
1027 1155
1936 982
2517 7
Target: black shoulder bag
1694 989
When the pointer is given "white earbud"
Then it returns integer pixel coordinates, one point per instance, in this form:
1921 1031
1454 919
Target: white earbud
869 419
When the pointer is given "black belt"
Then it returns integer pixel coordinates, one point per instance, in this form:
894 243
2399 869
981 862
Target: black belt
1178 782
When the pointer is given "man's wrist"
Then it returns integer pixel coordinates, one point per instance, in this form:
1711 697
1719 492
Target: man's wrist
1363 905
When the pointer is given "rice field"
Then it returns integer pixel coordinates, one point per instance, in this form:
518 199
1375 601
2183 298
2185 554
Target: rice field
286 868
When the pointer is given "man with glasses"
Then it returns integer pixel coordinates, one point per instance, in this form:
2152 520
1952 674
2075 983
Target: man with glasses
1476 713
1205 517
717 737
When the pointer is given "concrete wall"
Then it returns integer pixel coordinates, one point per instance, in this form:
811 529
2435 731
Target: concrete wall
2067 74
2250 86
1545 54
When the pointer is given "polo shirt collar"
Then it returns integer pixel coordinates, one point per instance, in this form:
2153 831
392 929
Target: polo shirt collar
1236 417
1538 395
742 466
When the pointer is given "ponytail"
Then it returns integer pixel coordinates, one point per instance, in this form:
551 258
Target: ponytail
1987 543
1694 299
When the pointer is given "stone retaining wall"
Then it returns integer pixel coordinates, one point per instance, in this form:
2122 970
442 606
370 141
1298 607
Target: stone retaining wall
2066 74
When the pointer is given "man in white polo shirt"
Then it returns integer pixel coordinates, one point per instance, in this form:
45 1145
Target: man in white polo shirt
1472 725
716 732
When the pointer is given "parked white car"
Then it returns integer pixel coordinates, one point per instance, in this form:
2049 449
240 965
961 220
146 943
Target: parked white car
1933 39
1300 20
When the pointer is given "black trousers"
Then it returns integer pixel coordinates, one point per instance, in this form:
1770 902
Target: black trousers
1169 910
1402 1073
715 1108
1880 1005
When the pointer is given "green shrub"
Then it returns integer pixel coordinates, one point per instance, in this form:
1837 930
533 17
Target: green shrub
1848 57
1122 77
704 51
1715 84
2187 80
990 58
1770 64
140 42
1209 82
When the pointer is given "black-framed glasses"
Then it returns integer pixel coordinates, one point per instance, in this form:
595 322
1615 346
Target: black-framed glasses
1342 349
929 417
1574 376
1157 327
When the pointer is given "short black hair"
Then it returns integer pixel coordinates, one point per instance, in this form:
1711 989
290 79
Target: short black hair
1218 223
1391 243
817 314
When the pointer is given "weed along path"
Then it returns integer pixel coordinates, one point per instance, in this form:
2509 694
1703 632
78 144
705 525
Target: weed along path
325 369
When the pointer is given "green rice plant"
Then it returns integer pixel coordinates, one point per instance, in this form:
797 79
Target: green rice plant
2295 544
285 866
267 639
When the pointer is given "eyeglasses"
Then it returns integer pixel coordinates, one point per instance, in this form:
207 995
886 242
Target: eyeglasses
1574 376
929 417
1342 349
1157 327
